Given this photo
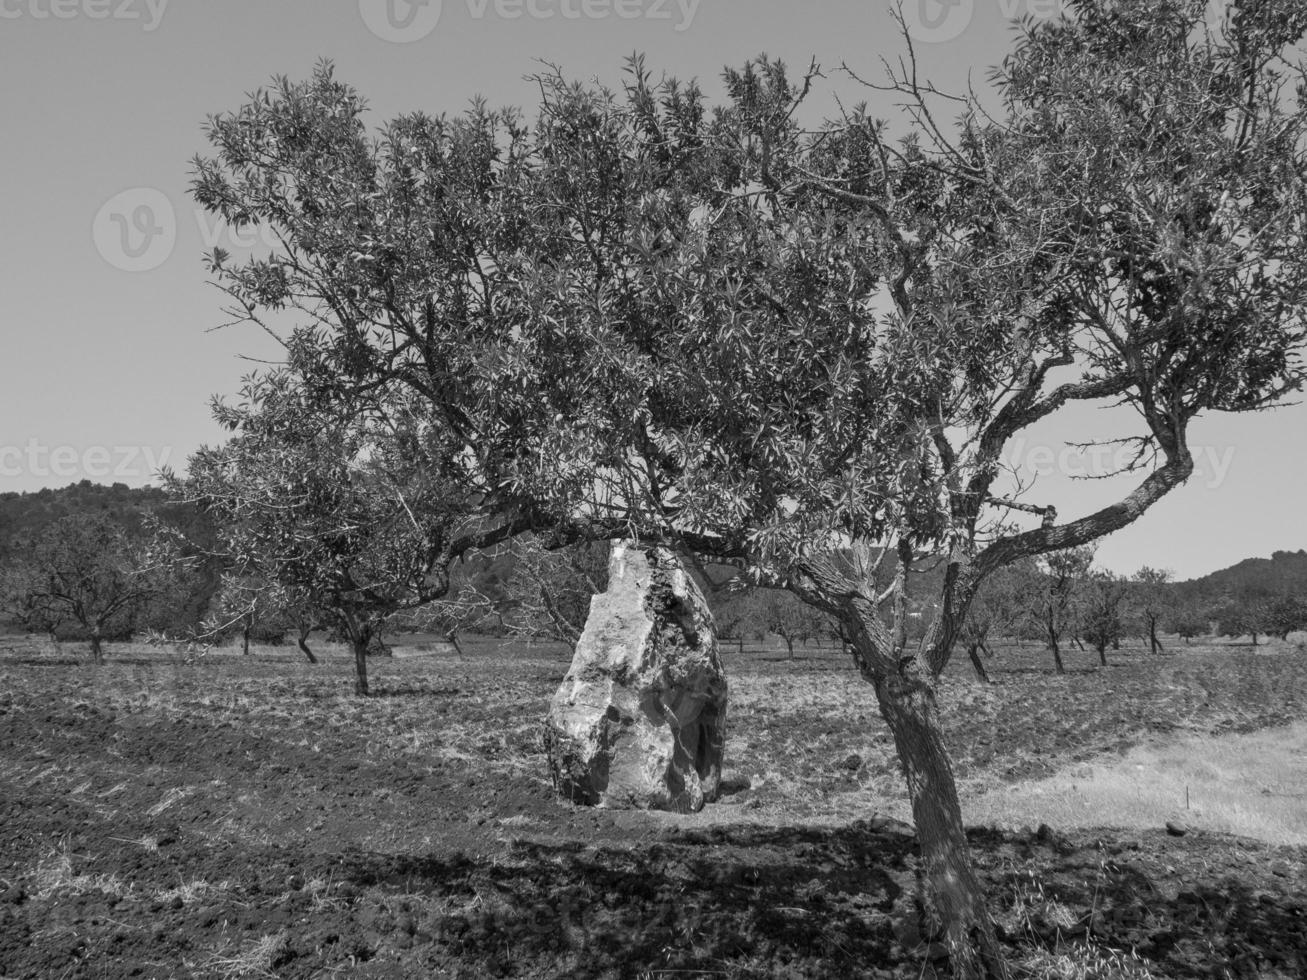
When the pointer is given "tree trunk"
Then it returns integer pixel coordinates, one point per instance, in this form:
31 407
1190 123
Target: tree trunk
1155 645
360 638
1057 656
1254 639
1080 646
789 645
361 665
303 643
1102 653
245 639
452 637
952 894
97 647
973 651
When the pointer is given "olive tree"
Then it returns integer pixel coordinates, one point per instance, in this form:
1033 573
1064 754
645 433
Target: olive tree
1151 595
347 512
1052 596
799 351
1102 609
999 608
84 568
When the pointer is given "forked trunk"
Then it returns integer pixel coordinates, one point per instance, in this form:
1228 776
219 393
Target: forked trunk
303 643
1154 643
973 651
789 645
952 894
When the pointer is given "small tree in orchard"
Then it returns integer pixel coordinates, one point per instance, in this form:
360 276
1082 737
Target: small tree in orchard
243 603
1052 597
1286 614
784 615
999 608
1188 618
1246 612
548 593
798 352
256 608
351 513
1151 595
1103 601
85 569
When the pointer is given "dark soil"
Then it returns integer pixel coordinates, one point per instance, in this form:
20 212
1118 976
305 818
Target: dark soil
228 816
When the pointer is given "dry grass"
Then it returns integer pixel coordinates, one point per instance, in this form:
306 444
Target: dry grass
1253 785
1081 961
54 876
255 960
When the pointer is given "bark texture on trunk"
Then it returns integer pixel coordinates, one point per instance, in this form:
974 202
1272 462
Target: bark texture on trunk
97 647
904 682
361 666
952 894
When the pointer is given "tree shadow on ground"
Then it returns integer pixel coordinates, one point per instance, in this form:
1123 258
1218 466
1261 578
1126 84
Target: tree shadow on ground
756 901
751 898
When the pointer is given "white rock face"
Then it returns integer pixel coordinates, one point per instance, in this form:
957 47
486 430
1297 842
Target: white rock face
639 721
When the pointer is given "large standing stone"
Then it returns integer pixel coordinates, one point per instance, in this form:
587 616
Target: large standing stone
640 719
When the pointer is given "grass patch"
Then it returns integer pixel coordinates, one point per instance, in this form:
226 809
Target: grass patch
1252 785
54 877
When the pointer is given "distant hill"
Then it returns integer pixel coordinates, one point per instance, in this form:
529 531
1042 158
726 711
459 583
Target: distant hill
1285 572
27 513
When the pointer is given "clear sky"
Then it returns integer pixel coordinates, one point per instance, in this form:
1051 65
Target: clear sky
109 356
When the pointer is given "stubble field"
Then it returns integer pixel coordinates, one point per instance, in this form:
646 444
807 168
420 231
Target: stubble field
171 815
